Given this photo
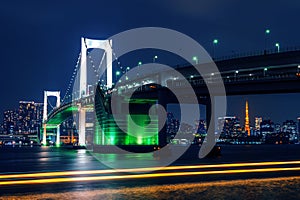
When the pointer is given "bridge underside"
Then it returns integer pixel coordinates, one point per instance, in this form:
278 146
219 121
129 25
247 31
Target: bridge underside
60 117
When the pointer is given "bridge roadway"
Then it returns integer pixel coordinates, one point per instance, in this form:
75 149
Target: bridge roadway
264 74
66 110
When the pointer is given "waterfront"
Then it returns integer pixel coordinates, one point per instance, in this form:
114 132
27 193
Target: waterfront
50 159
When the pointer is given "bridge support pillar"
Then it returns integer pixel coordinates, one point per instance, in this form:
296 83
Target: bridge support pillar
210 120
44 134
165 97
58 135
81 127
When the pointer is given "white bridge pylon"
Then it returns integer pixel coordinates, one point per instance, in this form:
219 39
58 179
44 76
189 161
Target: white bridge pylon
45 114
86 43
105 45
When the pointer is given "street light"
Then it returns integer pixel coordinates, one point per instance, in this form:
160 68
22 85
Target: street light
117 74
154 58
278 47
267 32
127 69
191 77
195 58
265 71
139 64
215 42
235 74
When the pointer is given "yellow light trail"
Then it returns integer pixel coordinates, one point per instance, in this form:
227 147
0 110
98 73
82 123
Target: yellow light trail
90 172
137 176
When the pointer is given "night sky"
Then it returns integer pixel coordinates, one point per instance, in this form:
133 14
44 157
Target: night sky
40 40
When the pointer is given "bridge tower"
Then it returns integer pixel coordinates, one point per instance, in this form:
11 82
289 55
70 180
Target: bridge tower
45 114
86 43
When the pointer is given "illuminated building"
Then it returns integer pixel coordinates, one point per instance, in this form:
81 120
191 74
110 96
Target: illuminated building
10 122
172 126
201 127
229 127
289 128
29 117
247 125
266 127
277 128
258 120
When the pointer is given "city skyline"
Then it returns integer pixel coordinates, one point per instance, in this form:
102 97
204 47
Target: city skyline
236 107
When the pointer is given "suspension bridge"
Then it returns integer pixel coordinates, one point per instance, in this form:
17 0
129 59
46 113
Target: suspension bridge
259 74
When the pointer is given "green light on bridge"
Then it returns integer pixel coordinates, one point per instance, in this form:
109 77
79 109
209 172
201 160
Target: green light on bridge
110 134
142 135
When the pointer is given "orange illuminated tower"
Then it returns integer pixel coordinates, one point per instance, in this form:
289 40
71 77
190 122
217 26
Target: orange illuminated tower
247 126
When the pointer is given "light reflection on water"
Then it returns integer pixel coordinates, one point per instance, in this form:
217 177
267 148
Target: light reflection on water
117 161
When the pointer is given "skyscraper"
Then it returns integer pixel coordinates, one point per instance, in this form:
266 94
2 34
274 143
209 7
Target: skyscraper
10 122
229 127
267 127
258 120
30 116
289 128
247 125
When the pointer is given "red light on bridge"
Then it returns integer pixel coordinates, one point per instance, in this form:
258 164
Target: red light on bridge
298 74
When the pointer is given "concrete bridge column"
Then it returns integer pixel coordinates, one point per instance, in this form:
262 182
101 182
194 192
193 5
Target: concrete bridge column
44 134
165 97
81 126
210 119
58 135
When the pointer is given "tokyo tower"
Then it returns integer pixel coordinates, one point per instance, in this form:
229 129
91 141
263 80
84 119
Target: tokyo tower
247 126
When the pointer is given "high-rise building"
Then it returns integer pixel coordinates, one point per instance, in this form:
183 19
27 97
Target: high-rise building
277 128
172 125
289 128
247 123
30 116
229 127
258 120
10 119
200 126
266 127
